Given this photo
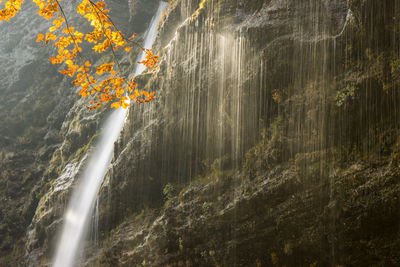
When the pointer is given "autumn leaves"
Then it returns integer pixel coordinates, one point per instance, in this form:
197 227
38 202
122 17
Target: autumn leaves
11 8
104 83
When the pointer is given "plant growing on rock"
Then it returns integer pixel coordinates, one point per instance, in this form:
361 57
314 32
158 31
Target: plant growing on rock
103 83
347 93
169 191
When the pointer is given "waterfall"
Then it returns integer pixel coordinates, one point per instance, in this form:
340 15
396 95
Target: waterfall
81 204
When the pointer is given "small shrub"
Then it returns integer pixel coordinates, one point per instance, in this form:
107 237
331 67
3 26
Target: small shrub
169 191
348 93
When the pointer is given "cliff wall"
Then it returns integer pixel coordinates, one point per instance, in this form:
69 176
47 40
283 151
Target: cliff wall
273 141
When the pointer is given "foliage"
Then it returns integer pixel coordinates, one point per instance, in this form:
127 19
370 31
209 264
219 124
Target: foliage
347 93
277 96
103 83
169 191
274 258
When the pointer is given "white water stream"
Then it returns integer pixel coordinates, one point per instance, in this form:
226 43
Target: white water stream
83 198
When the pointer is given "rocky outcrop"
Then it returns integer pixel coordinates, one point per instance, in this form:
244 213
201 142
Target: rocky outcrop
280 217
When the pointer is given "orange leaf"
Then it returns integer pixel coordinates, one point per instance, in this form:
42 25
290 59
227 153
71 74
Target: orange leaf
133 36
40 37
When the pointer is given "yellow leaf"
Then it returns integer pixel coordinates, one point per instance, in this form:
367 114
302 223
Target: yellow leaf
125 105
115 105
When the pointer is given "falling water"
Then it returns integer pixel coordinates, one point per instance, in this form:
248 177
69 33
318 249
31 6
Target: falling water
95 223
83 198
210 97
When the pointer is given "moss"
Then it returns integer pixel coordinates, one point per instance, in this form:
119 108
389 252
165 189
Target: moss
42 205
74 125
169 192
81 151
56 162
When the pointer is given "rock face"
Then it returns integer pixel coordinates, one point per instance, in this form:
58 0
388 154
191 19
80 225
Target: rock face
273 141
32 108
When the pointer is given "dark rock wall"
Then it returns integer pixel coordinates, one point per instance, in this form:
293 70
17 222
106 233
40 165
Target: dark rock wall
33 104
228 71
273 142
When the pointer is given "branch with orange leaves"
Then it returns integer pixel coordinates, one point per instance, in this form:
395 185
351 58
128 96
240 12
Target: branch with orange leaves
104 36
